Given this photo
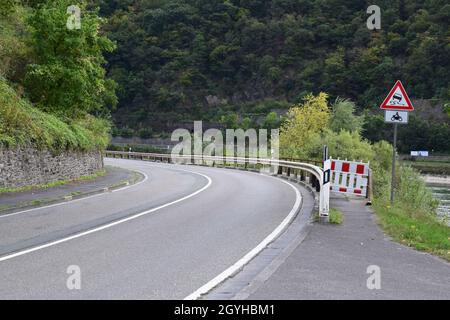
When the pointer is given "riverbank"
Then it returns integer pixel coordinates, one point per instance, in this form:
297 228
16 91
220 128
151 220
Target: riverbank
430 167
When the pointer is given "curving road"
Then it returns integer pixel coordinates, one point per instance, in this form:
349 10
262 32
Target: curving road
163 238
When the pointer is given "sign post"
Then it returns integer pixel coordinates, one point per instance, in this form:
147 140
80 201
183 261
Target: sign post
396 105
394 157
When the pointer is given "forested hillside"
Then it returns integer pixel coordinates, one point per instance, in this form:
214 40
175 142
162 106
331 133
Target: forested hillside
180 60
230 63
54 93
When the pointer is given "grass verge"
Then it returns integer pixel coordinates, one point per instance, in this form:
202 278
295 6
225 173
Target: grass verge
336 217
423 232
52 184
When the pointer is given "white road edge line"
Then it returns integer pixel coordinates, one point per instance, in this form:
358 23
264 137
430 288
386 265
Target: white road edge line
112 224
76 200
253 253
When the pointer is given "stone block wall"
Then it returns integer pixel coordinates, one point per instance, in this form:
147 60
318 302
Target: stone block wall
28 166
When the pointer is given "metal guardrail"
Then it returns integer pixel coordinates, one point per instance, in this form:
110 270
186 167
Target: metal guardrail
299 171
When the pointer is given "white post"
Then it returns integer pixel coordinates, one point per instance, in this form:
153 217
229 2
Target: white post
324 201
324 205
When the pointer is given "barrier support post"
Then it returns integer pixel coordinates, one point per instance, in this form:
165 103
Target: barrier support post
324 202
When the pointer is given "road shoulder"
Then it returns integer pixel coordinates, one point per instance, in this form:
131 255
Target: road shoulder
333 261
114 178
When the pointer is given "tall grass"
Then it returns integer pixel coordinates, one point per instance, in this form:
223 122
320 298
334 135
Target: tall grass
21 125
412 219
413 193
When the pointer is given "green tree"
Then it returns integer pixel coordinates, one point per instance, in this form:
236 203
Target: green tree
271 121
447 108
14 53
347 145
230 120
6 7
304 123
343 117
246 123
67 77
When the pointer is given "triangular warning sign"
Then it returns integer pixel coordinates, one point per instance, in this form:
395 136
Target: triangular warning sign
397 99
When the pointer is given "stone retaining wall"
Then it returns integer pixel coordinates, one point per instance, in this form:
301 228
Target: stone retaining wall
28 166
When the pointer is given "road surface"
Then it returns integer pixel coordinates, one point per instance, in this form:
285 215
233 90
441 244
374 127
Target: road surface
160 239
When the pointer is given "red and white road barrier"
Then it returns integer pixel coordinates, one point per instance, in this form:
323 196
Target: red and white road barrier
349 177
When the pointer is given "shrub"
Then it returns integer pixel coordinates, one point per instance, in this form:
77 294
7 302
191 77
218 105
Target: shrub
345 145
343 117
21 124
145 133
126 132
381 170
303 124
336 217
271 121
348 145
413 193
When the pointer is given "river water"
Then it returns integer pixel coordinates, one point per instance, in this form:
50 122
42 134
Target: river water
442 193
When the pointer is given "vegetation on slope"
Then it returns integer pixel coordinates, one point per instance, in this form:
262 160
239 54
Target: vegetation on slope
21 124
53 90
66 76
172 54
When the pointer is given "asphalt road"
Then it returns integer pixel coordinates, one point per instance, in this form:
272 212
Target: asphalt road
161 239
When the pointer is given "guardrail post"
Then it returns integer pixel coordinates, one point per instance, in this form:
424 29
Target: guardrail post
302 175
312 180
369 195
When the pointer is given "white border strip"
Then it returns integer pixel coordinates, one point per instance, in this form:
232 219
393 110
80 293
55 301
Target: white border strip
253 253
112 224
